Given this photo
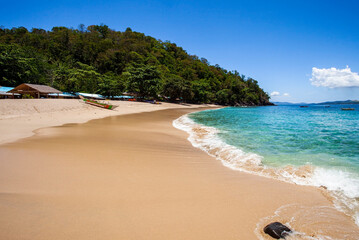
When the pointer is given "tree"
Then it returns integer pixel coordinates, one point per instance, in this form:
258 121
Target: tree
201 91
111 85
223 96
176 87
81 28
144 80
61 78
102 29
20 65
81 78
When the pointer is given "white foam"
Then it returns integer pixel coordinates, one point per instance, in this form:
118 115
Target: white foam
337 180
206 138
303 225
343 186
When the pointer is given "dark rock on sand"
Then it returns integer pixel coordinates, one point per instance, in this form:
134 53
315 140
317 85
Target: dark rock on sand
277 230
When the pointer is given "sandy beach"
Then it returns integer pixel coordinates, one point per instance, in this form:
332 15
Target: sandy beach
19 118
135 176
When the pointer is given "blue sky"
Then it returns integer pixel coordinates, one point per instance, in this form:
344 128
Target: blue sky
276 42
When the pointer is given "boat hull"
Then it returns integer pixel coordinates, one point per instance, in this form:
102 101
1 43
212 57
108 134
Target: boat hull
98 104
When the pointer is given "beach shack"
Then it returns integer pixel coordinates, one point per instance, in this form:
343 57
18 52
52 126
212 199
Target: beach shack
34 90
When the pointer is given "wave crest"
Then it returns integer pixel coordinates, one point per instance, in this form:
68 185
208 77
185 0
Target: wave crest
342 186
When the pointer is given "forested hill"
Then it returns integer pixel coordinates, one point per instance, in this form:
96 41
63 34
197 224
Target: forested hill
97 59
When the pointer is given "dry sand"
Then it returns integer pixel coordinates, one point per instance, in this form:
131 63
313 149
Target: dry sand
19 118
136 177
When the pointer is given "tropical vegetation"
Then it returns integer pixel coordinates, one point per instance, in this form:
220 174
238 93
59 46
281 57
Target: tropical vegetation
97 59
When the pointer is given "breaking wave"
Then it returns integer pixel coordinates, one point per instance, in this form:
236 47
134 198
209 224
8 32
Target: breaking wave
342 186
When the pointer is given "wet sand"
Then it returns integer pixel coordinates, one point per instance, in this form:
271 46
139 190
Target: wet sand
137 177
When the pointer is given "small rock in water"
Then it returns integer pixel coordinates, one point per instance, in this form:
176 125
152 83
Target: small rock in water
277 230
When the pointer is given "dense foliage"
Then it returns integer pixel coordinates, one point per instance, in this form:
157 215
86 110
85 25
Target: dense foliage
98 59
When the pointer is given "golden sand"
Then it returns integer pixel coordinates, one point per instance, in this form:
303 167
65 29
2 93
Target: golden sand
19 118
136 177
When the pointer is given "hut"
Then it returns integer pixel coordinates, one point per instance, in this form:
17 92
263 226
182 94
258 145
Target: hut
34 90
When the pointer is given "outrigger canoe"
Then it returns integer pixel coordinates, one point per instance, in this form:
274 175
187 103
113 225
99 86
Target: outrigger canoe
98 104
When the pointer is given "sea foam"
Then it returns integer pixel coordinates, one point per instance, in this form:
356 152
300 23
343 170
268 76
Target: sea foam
343 186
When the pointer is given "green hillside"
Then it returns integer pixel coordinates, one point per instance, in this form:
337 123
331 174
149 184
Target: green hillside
97 59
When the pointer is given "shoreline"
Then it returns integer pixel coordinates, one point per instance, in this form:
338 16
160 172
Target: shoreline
205 138
181 184
21 118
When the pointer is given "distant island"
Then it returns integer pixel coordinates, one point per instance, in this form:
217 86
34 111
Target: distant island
288 103
346 102
96 59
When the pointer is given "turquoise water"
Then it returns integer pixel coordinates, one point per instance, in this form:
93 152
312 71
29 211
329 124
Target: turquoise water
289 135
316 146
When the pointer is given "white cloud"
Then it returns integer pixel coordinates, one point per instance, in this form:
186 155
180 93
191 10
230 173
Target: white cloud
334 78
286 94
275 94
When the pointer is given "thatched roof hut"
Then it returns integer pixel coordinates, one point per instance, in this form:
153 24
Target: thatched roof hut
34 90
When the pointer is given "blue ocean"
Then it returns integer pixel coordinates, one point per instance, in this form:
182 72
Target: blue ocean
315 145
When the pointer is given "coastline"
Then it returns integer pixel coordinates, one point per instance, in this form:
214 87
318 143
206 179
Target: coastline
206 138
20 118
167 190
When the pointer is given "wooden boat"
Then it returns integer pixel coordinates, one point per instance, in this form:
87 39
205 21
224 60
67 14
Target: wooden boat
348 109
98 104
